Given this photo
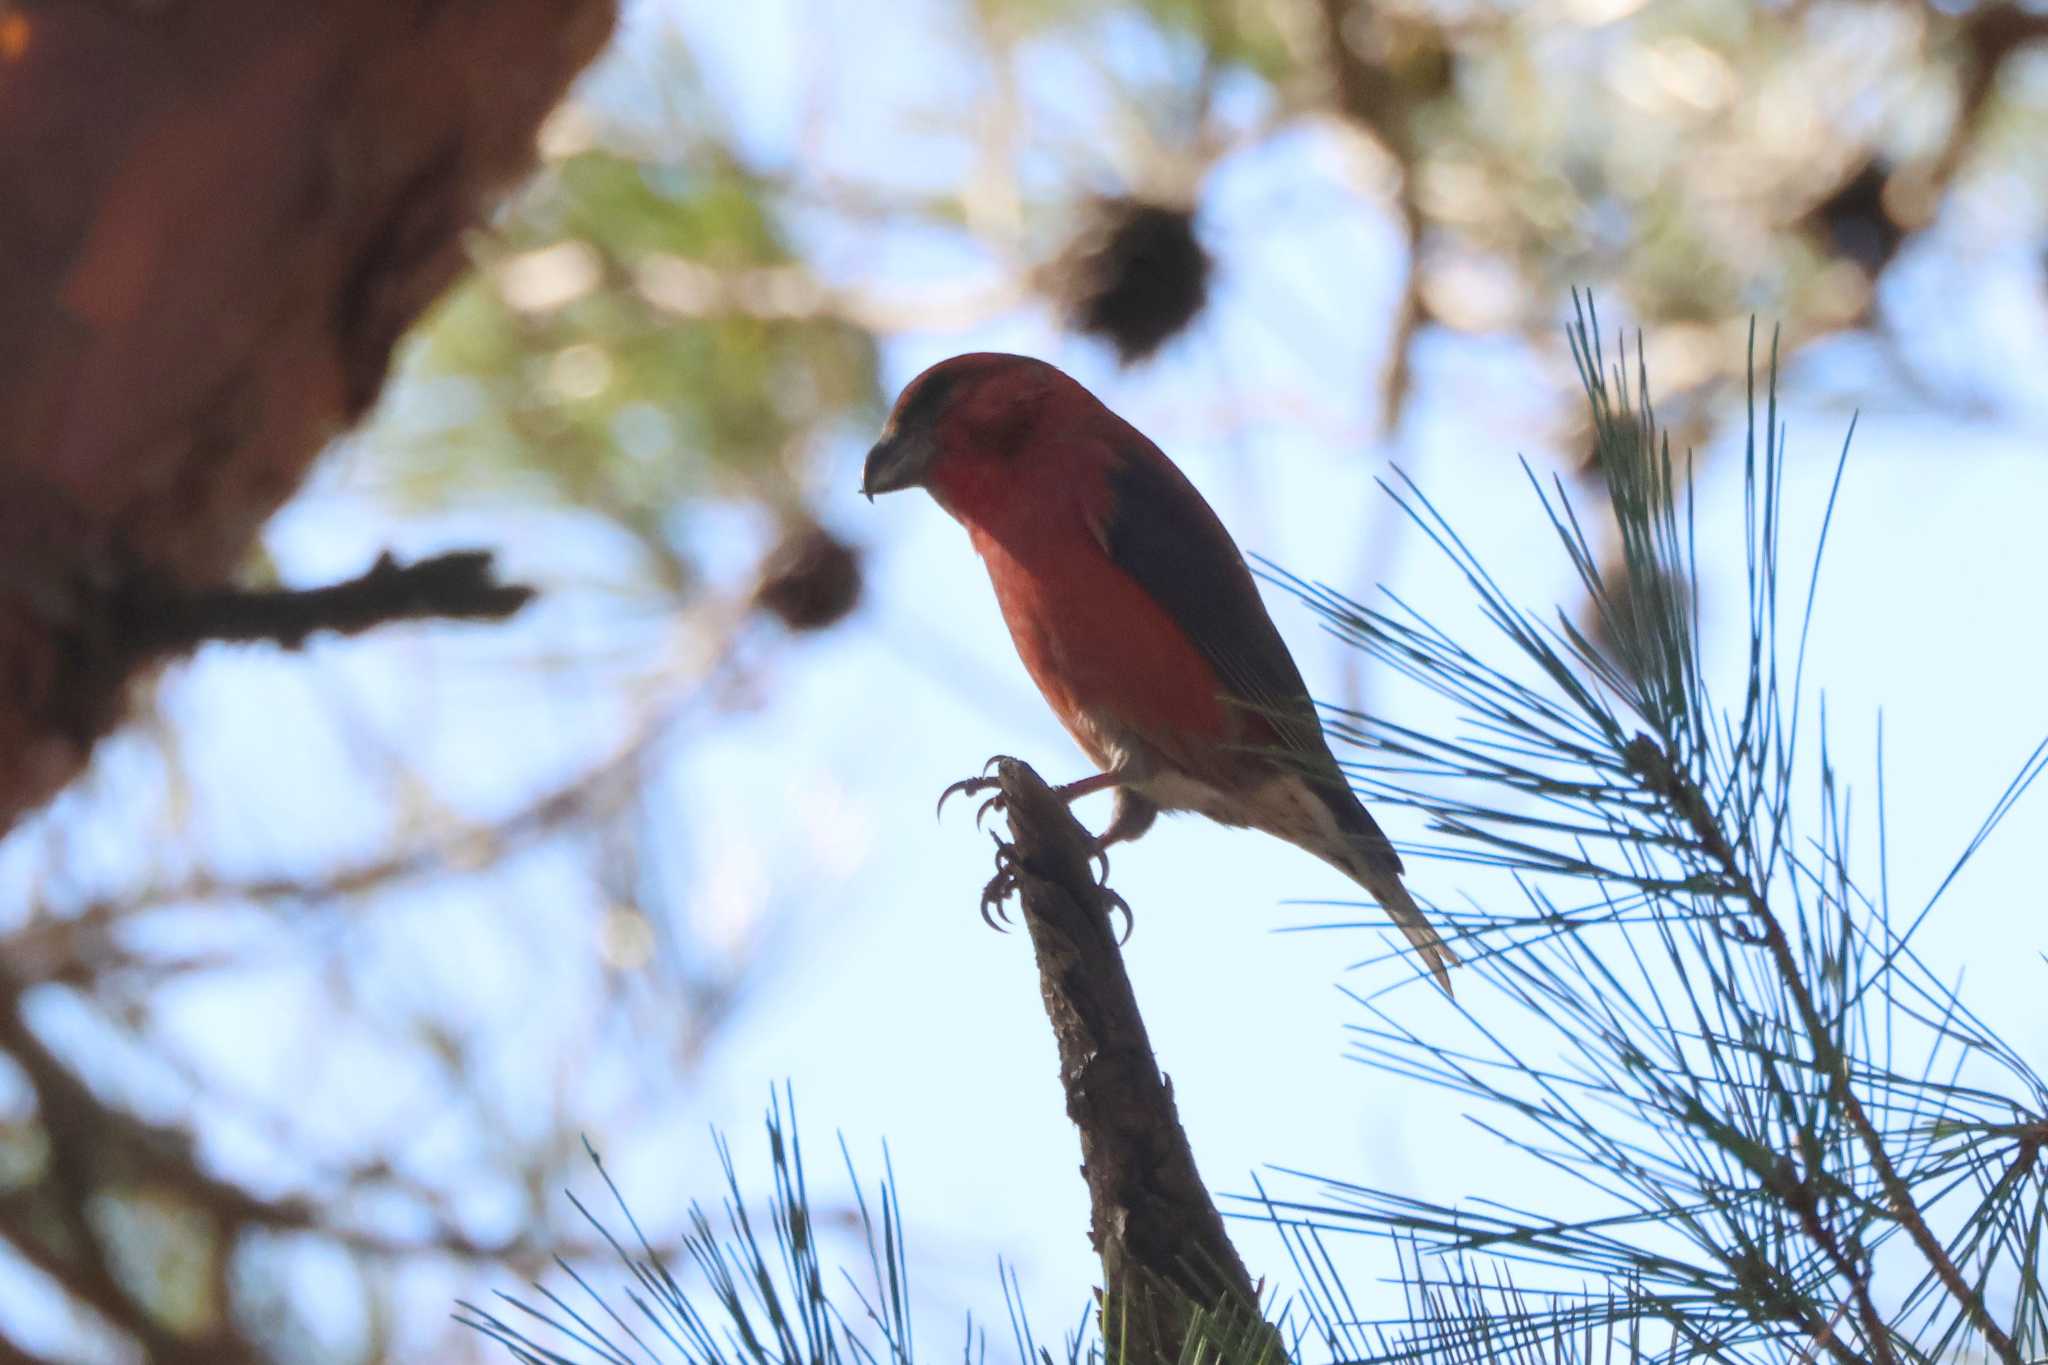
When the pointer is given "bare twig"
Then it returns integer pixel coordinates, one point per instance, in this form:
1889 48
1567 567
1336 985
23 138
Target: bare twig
1164 1251
458 586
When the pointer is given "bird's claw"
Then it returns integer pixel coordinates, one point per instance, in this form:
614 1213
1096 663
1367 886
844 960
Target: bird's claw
966 786
999 888
975 786
1009 869
1004 884
992 897
1101 857
1113 904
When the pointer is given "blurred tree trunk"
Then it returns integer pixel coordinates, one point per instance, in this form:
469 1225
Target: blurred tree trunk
216 220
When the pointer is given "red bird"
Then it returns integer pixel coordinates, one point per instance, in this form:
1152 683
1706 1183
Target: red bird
1134 612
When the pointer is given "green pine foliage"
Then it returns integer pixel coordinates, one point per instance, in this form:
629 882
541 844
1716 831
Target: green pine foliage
1807 1144
622 348
1796 1142
759 1289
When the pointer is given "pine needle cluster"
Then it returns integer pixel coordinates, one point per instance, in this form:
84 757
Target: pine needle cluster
1798 1141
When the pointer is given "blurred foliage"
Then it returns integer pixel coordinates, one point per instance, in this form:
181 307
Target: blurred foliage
1794 1138
767 1294
569 362
657 319
675 329
1758 1154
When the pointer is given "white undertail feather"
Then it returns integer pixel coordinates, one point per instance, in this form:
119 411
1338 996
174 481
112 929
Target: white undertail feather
1385 885
1288 808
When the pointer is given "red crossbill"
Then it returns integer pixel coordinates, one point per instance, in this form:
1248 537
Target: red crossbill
1135 614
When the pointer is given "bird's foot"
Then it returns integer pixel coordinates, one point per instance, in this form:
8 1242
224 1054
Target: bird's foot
975 786
1005 884
1009 868
1000 888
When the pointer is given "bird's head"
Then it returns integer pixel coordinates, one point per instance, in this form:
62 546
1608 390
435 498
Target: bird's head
972 407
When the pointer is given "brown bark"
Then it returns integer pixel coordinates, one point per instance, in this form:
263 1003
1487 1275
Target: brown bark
216 218
1163 1246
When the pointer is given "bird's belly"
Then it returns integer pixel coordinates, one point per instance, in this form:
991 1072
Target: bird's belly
1171 789
1281 805
1118 671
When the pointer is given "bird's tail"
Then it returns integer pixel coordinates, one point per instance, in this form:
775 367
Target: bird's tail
1380 875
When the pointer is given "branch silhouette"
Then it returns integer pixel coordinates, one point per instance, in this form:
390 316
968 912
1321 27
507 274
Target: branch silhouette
459 585
1166 1260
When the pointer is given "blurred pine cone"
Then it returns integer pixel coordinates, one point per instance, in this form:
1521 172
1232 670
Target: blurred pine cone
810 580
1856 225
1135 275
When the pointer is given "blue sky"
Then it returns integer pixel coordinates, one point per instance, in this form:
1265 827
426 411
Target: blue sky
894 1013
1927 615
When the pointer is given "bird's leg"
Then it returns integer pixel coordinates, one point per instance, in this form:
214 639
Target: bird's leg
1087 786
975 786
1134 815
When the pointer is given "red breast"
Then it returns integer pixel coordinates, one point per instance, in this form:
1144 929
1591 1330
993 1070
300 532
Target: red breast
1103 652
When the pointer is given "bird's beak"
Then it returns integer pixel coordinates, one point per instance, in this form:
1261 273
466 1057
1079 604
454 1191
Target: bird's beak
897 461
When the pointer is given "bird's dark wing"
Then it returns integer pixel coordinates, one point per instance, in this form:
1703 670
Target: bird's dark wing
1160 531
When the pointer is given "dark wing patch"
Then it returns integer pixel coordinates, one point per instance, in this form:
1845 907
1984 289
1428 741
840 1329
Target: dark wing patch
1163 534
